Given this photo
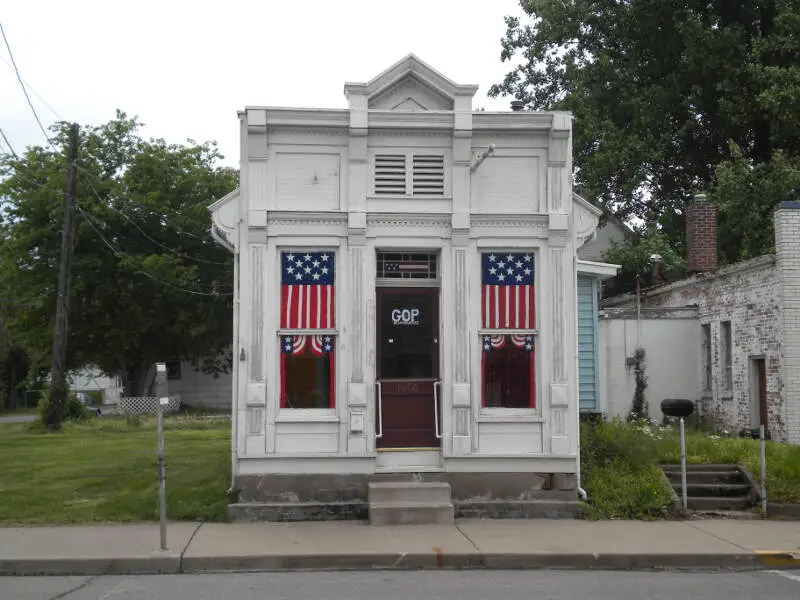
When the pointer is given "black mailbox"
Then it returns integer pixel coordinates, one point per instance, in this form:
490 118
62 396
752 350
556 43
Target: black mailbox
677 407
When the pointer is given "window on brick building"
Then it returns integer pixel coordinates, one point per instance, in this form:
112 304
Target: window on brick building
727 355
706 348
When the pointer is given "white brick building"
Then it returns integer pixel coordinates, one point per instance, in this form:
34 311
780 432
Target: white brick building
748 316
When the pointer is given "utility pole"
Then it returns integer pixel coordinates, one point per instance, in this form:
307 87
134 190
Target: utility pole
57 403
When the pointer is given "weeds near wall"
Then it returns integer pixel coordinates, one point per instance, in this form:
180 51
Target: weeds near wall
639 409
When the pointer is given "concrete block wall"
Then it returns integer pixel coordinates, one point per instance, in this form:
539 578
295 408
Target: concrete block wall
787 251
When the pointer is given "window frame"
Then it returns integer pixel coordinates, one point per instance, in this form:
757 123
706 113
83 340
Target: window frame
286 413
707 358
533 409
726 350
331 372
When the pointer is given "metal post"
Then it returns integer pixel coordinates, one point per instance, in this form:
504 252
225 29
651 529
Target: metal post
163 399
763 472
683 466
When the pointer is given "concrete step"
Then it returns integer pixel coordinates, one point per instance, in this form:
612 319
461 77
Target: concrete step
711 490
707 477
409 491
699 468
411 513
715 503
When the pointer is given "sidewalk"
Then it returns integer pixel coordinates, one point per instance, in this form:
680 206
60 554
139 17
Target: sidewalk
508 544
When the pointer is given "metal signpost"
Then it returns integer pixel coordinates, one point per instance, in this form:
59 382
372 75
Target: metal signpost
163 400
763 472
674 407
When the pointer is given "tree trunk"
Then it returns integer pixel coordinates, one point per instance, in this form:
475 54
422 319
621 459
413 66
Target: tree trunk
138 379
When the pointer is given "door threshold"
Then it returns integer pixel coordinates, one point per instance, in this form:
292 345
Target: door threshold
415 449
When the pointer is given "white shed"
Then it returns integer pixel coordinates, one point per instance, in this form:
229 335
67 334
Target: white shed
405 302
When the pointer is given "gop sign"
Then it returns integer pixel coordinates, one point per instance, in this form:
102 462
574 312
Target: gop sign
405 316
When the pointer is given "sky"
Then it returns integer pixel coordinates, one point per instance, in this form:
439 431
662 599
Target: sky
186 68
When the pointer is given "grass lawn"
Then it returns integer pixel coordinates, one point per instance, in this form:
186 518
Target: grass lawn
105 470
620 466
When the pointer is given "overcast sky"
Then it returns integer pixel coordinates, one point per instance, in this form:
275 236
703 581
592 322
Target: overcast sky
185 68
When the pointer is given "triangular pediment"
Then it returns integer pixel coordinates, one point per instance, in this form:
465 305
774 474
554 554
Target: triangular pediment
410 85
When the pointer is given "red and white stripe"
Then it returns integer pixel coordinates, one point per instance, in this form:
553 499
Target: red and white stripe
307 307
508 306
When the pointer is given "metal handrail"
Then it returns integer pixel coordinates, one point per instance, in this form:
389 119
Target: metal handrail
436 385
379 435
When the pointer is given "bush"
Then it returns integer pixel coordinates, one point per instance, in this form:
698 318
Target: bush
76 411
620 471
73 411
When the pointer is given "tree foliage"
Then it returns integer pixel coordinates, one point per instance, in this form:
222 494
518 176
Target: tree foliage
148 281
661 90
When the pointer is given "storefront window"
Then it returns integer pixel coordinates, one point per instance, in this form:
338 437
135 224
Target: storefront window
508 323
307 371
307 306
508 376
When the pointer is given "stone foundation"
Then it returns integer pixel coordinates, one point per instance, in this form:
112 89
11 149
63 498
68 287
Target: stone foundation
327 497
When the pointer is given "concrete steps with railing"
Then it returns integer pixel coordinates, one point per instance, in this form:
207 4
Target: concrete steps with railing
724 490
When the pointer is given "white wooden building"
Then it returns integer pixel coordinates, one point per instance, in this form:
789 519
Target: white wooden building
405 303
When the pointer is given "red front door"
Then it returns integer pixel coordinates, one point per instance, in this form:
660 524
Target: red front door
408 367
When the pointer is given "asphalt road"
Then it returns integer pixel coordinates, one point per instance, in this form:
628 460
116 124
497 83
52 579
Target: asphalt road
412 585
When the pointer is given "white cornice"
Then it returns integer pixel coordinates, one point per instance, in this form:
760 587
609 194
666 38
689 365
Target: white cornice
512 121
270 117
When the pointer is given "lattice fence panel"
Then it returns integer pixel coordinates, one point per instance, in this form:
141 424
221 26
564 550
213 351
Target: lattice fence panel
145 405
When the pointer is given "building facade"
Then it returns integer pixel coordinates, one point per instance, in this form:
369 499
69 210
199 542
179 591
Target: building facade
405 300
745 330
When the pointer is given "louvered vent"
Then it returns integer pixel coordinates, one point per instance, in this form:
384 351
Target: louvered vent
390 174
428 174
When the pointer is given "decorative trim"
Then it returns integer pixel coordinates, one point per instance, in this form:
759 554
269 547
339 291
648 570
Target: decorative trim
409 65
404 221
257 315
558 314
495 221
357 263
317 131
295 219
461 354
378 129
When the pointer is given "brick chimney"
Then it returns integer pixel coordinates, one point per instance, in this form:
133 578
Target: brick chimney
701 235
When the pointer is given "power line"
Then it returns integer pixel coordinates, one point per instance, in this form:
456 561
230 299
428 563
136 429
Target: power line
22 84
10 147
119 254
35 93
144 233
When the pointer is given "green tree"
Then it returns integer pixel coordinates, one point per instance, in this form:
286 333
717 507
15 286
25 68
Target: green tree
149 283
659 89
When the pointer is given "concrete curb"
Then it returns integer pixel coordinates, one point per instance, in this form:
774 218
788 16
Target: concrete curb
171 563
157 563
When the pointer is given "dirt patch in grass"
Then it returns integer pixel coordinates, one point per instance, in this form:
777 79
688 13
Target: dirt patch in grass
105 470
